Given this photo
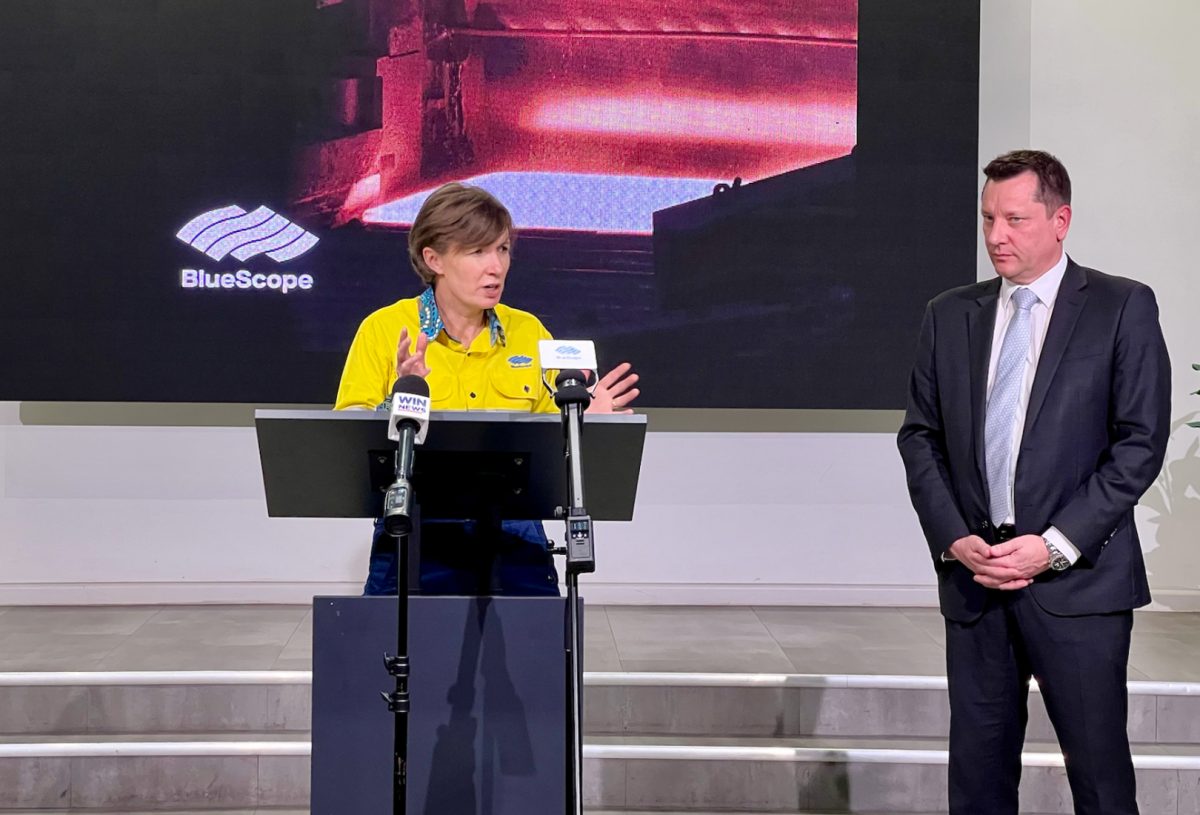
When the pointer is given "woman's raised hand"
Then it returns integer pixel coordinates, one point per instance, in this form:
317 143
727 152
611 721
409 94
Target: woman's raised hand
615 391
409 363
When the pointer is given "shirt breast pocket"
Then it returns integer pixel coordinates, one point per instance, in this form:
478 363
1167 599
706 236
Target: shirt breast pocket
512 389
442 391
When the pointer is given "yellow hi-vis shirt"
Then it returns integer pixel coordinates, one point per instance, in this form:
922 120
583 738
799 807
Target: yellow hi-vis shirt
498 371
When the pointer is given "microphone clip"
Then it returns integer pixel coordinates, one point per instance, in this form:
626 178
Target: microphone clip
581 555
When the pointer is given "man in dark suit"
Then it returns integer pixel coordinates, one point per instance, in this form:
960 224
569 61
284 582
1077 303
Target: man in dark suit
1038 414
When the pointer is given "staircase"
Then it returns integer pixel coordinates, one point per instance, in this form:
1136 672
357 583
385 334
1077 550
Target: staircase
237 741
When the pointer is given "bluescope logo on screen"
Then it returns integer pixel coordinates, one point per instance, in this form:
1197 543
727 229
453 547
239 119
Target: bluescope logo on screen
232 232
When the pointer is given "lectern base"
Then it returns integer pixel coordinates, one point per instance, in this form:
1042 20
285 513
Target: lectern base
487 731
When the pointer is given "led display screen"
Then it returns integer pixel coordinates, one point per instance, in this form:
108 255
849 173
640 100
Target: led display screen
751 201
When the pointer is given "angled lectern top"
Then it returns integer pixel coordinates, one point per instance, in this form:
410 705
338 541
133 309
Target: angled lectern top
337 464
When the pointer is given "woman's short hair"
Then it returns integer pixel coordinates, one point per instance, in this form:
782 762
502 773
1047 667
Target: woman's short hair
456 216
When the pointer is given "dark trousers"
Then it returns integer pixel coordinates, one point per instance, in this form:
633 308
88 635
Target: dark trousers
1080 664
468 558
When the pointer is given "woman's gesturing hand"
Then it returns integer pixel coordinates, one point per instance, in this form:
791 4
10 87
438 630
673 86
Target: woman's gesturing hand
411 363
615 391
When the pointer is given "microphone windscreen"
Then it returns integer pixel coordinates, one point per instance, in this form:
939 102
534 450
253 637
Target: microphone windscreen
413 384
570 374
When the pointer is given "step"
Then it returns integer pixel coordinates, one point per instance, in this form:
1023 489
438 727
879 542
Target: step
806 705
765 705
860 776
155 701
132 772
639 773
254 811
277 811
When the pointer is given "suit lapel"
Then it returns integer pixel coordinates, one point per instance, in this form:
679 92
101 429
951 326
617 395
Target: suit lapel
1072 294
981 323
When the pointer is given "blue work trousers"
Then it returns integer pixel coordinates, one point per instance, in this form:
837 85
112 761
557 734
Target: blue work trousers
470 558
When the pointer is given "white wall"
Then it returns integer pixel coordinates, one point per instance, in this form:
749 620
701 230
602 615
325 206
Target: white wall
1113 89
1115 93
175 514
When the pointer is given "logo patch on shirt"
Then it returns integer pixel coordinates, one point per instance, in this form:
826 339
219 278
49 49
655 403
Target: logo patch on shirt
520 361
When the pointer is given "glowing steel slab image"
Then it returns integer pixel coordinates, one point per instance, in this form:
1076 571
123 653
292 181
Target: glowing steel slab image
581 116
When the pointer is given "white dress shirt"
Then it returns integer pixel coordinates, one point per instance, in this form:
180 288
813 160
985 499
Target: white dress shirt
1046 289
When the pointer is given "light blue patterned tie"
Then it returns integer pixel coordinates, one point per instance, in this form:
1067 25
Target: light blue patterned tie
1002 404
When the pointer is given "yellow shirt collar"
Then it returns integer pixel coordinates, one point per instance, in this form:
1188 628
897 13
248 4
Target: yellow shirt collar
431 319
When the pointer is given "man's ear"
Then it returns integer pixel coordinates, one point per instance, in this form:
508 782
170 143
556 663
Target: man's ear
1062 222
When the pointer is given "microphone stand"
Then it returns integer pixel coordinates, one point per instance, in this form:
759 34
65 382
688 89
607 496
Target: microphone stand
399 523
573 398
398 700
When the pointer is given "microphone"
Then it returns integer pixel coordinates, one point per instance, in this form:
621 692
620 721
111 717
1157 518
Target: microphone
574 360
570 388
408 421
409 403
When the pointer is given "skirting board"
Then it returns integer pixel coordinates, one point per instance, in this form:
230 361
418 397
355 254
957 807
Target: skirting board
594 591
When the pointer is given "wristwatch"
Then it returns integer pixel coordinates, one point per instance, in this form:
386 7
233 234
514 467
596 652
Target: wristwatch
1058 561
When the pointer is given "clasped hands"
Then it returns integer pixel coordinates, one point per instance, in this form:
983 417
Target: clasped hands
613 393
1006 566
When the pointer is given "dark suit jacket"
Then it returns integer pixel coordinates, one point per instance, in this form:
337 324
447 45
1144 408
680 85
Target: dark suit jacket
1094 439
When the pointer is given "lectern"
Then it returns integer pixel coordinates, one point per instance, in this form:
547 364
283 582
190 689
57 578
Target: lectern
490 727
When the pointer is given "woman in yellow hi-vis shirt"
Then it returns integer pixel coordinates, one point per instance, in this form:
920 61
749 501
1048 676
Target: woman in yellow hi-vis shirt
476 354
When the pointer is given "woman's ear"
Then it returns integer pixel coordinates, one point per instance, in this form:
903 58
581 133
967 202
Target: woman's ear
432 259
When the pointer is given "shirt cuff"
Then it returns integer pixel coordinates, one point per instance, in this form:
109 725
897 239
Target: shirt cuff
1060 542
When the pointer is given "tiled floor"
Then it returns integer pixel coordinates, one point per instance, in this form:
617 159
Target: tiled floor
1166 646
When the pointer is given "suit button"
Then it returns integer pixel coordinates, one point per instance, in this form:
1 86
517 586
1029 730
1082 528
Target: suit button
985 525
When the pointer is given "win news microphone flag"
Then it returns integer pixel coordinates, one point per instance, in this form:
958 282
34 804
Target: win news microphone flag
409 403
408 421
